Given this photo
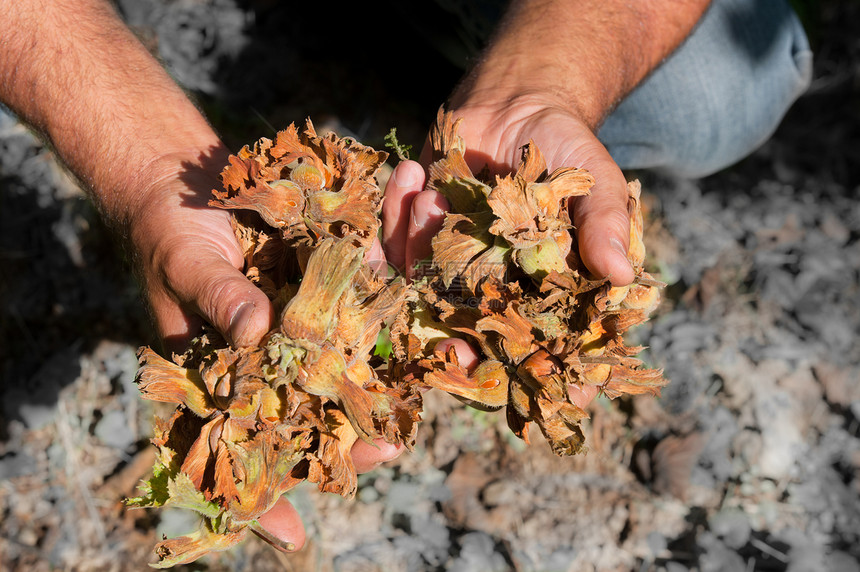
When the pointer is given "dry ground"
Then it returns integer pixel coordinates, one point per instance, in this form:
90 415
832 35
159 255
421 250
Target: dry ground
749 461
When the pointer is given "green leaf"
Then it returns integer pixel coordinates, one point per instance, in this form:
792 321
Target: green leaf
383 346
154 491
184 494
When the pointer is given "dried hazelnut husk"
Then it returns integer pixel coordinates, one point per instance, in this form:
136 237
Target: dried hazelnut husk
506 277
252 422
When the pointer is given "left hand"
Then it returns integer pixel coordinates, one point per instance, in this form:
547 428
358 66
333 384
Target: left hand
411 217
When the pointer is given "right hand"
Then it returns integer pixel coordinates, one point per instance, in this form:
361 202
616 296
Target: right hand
190 263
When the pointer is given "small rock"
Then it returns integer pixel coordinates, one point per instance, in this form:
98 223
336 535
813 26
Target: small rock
176 522
855 409
113 430
718 557
402 497
838 383
732 527
501 492
382 479
28 537
747 446
434 537
37 415
559 561
478 552
835 229
380 556
16 464
839 561
438 492
656 542
672 462
804 554
368 495
56 455
777 414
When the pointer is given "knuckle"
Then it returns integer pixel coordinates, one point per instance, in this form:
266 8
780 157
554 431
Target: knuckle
218 298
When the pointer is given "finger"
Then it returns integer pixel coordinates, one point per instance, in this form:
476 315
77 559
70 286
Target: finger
366 457
603 225
375 258
405 182
211 286
582 395
283 523
425 221
466 354
175 326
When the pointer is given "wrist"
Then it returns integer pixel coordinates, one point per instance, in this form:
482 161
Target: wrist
507 84
168 218
544 51
495 130
109 110
167 185
583 56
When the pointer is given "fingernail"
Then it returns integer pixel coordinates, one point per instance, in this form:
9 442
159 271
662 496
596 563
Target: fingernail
420 217
404 177
618 247
240 321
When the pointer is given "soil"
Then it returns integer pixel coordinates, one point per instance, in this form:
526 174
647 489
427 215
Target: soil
750 460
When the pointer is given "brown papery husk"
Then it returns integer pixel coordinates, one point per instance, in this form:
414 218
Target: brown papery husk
506 277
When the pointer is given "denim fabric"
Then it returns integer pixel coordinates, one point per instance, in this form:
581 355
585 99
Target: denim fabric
719 96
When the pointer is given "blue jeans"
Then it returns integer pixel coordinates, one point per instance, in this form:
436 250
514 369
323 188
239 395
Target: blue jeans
719 96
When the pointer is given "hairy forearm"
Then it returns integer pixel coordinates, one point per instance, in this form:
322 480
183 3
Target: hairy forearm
71 69
581 54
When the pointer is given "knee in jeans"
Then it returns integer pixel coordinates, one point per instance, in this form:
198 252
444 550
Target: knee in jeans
718 98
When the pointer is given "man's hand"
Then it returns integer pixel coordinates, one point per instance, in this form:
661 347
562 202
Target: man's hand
188 257
141 149
554 70
149 161
552 73
494 136
411 217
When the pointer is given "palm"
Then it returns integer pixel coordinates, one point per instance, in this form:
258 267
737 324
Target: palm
189 262
601 219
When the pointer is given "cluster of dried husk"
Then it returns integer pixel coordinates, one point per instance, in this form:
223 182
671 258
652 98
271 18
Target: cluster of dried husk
253 422
250 423
506 276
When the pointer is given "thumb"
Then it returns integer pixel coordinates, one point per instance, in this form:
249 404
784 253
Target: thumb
281 527
230 302
212 288
404 184
603 224
603 233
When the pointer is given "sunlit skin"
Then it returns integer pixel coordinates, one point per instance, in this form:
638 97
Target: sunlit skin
75 73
